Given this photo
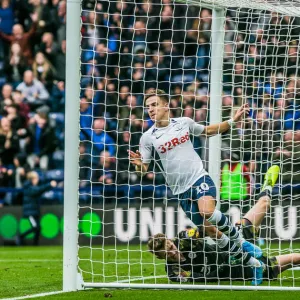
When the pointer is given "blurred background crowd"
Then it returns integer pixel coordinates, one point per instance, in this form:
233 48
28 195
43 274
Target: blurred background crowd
32 80
128 48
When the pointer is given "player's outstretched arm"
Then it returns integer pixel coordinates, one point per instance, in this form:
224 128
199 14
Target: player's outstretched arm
136 159
214 129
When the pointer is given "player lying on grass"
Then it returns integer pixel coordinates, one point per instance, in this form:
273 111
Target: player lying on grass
185 175
189 258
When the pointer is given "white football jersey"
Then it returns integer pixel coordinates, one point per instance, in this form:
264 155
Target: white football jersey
181 164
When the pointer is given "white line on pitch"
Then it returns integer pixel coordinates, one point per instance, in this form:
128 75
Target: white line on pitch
35 295
29 260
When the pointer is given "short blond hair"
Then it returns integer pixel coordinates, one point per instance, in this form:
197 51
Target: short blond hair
161 94
31 175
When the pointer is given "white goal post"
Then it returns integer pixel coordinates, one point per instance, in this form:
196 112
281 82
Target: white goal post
74 277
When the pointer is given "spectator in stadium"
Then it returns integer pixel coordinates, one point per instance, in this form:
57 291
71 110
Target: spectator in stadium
99 137
91 32
16 119
43 70
33 191
104 176
123 94
104 60
105 171
122 161
200 33
4 104
9 142
84 165
60 62
292 59
57 101
258 138
166 23
45 16
33 91
235 173
139 34
129 112
16 65
17 176
286 114
18 36
21 168
273 86
113 37
157 71
7 16
40 140
111 105
4 182
49 47
6 92
201 29
89 72
86 116
23 107
61 14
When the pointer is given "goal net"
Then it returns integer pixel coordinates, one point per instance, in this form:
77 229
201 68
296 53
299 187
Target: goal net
210 57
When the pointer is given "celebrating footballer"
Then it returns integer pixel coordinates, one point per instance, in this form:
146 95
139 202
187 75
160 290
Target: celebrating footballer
188 180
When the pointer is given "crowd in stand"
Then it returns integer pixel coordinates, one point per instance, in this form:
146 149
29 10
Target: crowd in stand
32 76
128 48
151 45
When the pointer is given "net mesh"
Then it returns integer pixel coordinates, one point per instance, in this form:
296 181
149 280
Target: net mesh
131 47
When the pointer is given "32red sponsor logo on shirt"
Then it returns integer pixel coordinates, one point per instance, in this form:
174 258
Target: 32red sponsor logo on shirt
173 143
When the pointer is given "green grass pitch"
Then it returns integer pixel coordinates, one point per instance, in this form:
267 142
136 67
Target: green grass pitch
33 270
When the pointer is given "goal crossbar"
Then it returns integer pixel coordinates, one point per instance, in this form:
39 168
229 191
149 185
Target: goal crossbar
291 8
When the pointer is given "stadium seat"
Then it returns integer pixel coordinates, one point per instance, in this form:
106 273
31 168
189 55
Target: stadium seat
57 175
58 159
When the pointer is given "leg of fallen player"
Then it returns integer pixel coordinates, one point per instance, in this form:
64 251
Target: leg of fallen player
287 261
231 236
258 212
207 209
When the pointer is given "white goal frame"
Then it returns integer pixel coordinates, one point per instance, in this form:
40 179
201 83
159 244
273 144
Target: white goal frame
71 278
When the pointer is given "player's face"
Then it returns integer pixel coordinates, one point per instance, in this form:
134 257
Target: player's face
170 253
158 110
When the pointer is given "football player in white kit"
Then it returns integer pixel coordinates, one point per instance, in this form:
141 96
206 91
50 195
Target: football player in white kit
186 177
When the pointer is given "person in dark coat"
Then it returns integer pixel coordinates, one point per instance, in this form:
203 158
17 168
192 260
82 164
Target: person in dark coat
41 141
33 191
9 142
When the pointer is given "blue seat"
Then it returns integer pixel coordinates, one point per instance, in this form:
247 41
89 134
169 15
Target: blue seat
56 174
57 118
52 197
58 159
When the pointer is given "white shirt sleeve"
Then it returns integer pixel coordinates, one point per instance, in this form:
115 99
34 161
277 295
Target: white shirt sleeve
196 129
145 149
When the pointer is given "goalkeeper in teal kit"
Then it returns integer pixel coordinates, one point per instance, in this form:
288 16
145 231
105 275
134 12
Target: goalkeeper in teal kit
189 258
186 177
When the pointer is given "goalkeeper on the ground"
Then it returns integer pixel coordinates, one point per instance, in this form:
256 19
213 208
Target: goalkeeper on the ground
189 258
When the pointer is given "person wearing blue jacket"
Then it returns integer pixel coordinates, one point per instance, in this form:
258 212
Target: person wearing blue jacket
33 191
